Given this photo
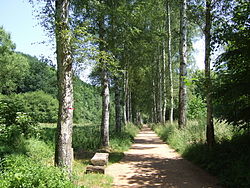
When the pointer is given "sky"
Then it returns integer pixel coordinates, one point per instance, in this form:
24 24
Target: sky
199 52
17 18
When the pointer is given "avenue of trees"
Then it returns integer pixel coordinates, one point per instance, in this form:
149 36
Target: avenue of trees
137 46
143 67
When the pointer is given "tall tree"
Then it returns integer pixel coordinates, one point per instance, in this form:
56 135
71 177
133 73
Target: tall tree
170 74
164 86
113 44
183 64
210 125
104 80
118 115
64 151
232 99
105 108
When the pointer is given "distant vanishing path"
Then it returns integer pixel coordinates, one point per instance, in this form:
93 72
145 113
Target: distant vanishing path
151 163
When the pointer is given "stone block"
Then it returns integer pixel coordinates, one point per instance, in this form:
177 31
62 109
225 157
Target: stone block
100 159
95 169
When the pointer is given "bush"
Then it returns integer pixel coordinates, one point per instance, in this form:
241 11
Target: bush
15 124
196 108
229 158
40 106
38 150
179 139
86 137
21 171
120 142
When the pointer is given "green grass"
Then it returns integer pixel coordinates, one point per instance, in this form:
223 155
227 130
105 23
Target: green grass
32 168
37 155
96 180
118 144
87 138
229 160
89 180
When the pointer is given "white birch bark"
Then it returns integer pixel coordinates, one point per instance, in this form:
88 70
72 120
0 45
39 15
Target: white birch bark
63 150
164 88
105 84
169 41
125 98
105 110
183 64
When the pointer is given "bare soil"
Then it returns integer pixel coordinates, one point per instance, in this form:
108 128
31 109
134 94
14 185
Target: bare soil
151 163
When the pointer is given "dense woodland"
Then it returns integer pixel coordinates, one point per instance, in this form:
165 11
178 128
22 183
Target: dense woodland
143 72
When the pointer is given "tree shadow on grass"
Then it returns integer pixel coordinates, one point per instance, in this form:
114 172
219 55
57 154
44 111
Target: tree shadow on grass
115 157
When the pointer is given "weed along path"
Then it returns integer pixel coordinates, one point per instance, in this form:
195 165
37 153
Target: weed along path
151 163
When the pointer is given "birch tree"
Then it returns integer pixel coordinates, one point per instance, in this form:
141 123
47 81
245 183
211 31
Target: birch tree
183 65
105 85
63 150
170 74
207 31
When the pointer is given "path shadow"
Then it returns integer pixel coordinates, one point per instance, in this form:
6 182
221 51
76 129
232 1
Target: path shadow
157 172
153 170
142 148
148 141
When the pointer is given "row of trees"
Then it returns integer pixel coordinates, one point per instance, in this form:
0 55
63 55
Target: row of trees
137 46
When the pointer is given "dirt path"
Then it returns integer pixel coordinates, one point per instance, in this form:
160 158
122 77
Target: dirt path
151 163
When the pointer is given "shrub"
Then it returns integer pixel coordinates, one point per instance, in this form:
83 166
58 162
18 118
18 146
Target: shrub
15 124
38 150
21 171
179 139
229 158
120 142
86 137
41 106
196 108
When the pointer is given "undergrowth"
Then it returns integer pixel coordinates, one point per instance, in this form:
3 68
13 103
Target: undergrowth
30 162
32 166
119 142
229 160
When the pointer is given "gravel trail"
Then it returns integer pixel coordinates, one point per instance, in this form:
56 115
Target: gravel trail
152 163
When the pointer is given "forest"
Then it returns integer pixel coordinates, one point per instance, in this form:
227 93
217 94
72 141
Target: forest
143 73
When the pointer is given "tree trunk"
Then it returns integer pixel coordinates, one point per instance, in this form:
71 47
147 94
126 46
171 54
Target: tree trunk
171 91
154 102
210 125
63 150
183 65
105 110
118 119
130 114
125 99
164 88
105 86
159 87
